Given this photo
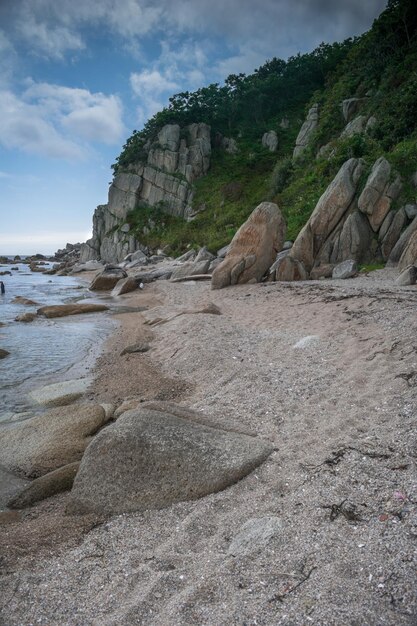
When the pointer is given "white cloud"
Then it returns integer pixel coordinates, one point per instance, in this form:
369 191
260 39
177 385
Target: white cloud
49 41
59 122
151 82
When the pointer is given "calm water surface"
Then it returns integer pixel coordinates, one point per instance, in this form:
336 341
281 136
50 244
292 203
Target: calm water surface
44 350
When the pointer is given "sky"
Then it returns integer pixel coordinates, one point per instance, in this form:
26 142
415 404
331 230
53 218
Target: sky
77 76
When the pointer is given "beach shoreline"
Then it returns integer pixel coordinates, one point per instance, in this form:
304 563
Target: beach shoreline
318 369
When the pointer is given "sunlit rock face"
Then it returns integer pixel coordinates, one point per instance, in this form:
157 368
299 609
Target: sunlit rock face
164 177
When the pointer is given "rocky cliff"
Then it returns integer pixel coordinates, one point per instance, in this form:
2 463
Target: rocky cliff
163 177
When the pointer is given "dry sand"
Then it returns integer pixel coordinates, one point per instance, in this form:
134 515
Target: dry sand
327 371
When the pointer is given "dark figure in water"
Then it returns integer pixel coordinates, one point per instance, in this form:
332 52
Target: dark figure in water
2 289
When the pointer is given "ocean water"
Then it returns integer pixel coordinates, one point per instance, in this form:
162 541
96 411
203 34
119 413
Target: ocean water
43 351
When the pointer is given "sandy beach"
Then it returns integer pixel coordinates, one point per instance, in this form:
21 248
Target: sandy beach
324 370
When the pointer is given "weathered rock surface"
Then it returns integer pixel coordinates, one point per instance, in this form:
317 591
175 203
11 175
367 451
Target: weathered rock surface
51 440
354 240
409 256
379 193
125 285
350 107
45 486
322 271
141 346
391 234
164 176
253 248
89 266
346 269
229 145
59 394
407 276
25 317
150 459
306 131
10 486
108 278
204 255
330 209
255 535
411 211
289 269
78 308
190 268
270 140
356 126
401 245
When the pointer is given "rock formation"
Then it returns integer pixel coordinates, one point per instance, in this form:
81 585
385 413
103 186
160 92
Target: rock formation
253 248
152 458
307 129
164 177
270 141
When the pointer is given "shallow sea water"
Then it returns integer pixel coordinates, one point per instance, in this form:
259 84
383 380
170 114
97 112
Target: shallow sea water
44 350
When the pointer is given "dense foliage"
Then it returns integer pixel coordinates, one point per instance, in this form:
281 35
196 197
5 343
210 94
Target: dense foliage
380 66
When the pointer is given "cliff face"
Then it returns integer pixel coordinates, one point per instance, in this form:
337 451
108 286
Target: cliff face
164 177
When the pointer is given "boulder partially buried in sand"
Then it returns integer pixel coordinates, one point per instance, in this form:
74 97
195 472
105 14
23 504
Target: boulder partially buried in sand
150 459
48 441
253 249
45 486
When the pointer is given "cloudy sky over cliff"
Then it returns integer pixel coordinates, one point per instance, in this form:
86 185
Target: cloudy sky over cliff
77 76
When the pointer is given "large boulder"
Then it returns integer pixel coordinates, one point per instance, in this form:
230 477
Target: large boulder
390 231
401 245
379 193
190 268
350 107
108 278
48 441
409 256
346 269
253 248
355 239
306 131
288 269
330 209
60 394
78 308
407 276
356 126
124 285
150 459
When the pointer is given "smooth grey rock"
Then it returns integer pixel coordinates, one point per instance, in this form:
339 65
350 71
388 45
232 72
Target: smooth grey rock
10 486
281 255
407 276
204 255
107 279
411 211
284 123
60 394
270 140
350 107
156 274
400 246
346 269
409 256
45 486
287 245
190 268
393 232
371 123
223 251
139 255
355 127
88 266
255 535
187 256
306 131
125 228
42 444
150 459
125 285
355 239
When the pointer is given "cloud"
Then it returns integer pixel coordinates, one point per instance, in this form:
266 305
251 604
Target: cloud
59 122
48 41
153 88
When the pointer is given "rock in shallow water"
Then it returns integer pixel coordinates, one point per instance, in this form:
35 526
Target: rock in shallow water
62 310
59 394
150 459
